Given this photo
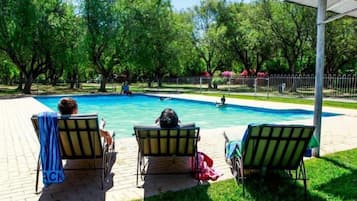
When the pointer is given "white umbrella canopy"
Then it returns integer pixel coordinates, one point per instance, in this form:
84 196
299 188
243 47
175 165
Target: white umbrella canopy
341 8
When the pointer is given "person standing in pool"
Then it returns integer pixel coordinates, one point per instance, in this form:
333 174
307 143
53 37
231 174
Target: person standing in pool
222 103
223 100
125 88
69 106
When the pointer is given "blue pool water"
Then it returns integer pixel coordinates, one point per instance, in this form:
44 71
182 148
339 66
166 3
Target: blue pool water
122 112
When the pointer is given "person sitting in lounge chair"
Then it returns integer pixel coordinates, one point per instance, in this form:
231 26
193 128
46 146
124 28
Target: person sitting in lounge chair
168 119
70 106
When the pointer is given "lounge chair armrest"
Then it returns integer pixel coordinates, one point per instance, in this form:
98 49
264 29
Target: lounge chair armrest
112 134
225 136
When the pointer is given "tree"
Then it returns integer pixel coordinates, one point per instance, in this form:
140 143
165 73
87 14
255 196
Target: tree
208 36
153 40
341 46
8 71
291 26
232 18
188 56
102 27
30 33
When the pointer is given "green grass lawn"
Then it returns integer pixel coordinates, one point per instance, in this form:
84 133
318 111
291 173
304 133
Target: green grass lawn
339 104
332 177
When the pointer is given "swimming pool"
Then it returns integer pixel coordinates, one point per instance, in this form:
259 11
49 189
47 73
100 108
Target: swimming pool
122 112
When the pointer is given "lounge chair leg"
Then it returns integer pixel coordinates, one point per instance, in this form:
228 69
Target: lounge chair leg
37 173
305 189
241 173
302 165
137 169
104 165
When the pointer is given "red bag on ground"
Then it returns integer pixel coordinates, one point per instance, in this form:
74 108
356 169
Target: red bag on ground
205 170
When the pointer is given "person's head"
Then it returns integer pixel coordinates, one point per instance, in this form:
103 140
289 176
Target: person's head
168 118
67 106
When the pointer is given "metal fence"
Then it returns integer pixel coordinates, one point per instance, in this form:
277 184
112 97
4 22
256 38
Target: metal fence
335 86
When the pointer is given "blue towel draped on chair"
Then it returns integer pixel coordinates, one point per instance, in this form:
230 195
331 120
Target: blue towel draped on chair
231 148
51 160
234 147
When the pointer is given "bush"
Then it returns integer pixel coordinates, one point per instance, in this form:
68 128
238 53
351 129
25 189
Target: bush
218 80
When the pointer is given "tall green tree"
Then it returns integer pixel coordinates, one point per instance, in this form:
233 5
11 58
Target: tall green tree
30 33
341 46
102 27
291 26
208 36
154 45
8 71
75 58
188 56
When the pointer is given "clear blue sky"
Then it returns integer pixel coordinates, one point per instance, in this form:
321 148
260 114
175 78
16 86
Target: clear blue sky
183 4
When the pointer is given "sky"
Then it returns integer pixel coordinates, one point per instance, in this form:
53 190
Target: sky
184 4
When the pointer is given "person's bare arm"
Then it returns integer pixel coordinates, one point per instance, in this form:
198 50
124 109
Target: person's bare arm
102 124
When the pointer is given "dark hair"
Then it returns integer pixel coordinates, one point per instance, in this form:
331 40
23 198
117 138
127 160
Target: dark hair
168 118
67 105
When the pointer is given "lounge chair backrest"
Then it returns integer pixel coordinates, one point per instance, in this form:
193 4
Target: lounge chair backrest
275 146
154 141
79 136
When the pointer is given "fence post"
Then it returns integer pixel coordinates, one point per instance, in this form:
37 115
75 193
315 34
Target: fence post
177 83
268 88
255 86
229 84
200 85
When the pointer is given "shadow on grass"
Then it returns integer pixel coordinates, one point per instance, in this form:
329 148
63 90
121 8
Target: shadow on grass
344 186
198 193
276 187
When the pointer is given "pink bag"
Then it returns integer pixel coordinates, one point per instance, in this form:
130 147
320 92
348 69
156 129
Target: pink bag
205 169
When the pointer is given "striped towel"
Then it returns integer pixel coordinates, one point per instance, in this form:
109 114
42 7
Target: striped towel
52 169
232 148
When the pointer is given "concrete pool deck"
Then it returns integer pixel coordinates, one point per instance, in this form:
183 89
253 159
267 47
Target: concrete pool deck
19 149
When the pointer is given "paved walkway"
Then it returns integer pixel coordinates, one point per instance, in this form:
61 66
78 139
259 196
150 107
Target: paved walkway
19 150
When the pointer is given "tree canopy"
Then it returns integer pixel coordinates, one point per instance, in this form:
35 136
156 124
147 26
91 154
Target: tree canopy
54 40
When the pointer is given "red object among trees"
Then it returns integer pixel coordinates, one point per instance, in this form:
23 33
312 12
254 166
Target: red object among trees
262 74
206 74
252 72
227 73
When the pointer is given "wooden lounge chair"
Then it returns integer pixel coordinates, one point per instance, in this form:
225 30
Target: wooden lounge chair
154 141
79 138
270 147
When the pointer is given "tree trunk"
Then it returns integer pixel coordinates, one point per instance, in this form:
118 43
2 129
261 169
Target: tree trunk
54 80
28 84
71 79
103 83
78 84
21 81
292 70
